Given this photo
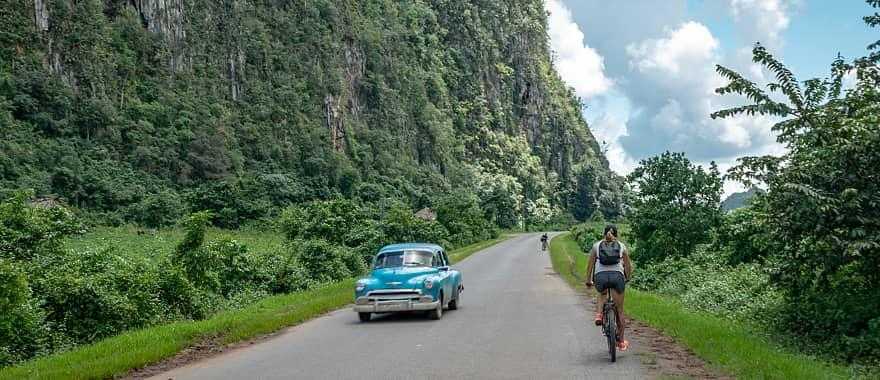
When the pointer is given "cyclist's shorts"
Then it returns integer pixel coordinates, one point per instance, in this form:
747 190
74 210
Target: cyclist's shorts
610 279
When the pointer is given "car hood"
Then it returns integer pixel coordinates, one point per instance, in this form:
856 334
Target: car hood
400 275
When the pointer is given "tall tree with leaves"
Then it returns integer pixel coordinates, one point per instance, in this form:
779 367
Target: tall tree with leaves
676 206
822 205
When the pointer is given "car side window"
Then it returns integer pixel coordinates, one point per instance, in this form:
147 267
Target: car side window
444 258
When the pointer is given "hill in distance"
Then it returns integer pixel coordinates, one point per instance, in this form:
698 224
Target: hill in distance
741 199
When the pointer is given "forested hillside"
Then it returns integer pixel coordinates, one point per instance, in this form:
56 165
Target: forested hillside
138 110
738 200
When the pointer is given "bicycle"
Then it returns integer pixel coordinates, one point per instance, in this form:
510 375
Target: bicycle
609 324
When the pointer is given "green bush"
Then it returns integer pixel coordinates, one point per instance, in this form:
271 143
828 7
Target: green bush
367 240
183 300
156 210
597 217
27 231
322 261
223 266
705 282
23 333
742 233
399 224
231 201
289 276
587 234
464 220
354 262
235 267
94 294
330 220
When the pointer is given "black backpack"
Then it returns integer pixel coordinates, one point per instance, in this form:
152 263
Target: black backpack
609 253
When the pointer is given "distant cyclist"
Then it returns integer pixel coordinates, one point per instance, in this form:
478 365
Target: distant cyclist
544 240
610 267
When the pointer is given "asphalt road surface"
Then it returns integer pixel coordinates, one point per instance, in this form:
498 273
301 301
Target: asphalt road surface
517 320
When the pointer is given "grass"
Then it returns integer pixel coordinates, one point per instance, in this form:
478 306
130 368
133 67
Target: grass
463 252
162 242
731 347
118 355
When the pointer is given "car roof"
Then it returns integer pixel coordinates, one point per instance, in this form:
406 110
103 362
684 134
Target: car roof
411 246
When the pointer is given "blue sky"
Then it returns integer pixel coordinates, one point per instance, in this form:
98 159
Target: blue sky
645 68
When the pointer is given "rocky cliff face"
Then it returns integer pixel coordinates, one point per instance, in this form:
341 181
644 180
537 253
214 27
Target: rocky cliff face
166 19
372 92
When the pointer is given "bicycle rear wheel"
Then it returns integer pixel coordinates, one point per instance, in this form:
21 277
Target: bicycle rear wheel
611 332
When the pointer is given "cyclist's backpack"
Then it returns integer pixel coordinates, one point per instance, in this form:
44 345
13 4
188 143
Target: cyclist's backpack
609 253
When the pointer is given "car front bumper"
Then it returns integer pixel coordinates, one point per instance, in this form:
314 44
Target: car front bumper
368 305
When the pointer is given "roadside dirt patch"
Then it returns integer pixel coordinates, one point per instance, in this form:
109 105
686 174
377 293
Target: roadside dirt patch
201 350
664 357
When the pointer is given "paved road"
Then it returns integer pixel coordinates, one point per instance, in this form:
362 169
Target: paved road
518 320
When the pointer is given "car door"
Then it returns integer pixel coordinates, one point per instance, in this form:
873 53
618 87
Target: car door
439 261
453 276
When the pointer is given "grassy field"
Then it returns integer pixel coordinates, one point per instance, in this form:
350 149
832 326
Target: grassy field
721 342
154 244
135 349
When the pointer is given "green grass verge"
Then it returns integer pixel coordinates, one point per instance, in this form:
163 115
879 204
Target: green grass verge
117 355
463 252
723 343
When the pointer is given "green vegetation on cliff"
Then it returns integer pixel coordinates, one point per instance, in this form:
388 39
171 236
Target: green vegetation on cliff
136 111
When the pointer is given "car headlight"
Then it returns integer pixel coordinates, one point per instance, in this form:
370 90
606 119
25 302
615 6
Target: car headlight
429 283
360 286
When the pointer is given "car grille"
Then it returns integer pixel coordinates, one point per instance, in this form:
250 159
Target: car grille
394 294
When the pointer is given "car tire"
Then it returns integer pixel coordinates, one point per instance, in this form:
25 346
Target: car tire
438 312
364 317
453 303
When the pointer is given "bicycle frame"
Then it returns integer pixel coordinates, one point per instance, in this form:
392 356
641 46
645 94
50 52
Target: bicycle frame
610 324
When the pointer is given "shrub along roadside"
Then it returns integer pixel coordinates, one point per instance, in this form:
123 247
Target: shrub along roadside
721 342
117 355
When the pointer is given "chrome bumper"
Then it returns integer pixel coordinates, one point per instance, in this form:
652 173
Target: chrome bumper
393 306
389 301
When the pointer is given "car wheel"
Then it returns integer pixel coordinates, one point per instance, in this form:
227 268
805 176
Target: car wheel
364 317
453 303
438 312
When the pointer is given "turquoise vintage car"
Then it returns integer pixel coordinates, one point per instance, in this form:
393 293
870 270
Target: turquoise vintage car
409 277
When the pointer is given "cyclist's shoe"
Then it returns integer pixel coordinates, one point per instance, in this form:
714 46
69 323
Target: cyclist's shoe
598 319
623 345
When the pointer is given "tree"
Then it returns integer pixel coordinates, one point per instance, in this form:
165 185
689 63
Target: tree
676 206
821 211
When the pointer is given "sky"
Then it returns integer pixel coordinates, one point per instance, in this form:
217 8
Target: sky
645 69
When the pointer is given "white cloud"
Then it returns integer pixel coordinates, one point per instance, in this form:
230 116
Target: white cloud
672 84
663 66
608 130
763 20
579 65
689 45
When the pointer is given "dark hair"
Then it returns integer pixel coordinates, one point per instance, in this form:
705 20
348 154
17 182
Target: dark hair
610 227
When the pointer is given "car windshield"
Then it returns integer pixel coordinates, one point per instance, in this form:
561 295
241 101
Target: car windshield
403 258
